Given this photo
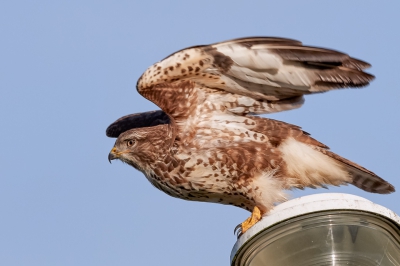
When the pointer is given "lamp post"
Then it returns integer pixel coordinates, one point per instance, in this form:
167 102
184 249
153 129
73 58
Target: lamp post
323 229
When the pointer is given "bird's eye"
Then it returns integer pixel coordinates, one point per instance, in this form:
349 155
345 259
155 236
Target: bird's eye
130 142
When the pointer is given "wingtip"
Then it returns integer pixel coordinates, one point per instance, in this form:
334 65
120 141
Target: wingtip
138 120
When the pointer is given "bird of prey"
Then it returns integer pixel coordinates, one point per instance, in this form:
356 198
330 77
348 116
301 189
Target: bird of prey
207 143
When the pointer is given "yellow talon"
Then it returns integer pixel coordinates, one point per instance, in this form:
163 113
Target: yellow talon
252 220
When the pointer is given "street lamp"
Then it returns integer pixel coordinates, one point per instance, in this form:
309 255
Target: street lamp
321 230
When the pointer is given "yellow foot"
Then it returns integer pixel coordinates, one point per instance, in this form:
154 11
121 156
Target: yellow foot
252 220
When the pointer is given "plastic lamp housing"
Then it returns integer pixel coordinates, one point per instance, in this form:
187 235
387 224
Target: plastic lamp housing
323 229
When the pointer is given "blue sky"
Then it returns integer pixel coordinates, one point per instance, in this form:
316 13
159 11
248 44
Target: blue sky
69 68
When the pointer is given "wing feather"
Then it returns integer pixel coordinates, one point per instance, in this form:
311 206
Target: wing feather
146 119
263 68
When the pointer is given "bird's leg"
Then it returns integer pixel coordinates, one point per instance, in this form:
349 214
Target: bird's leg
252 220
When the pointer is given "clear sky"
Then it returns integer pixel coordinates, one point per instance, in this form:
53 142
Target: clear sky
69 68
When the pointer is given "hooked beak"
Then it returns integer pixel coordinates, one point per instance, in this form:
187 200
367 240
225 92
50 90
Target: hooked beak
112 155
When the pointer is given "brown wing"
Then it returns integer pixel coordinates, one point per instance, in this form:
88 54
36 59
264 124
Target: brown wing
262 68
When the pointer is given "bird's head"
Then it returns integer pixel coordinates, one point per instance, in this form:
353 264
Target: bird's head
140 147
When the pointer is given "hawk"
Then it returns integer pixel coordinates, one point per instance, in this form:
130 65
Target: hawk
207 143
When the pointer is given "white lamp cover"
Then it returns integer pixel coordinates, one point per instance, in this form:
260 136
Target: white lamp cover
322 229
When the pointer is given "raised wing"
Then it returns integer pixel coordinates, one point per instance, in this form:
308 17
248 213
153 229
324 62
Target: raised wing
262 68
146 119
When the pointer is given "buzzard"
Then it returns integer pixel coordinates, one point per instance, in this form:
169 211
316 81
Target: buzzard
207 143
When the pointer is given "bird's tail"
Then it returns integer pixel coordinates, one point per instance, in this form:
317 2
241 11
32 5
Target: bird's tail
361 177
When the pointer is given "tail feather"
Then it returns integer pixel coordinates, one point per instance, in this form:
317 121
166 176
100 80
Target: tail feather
361 177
